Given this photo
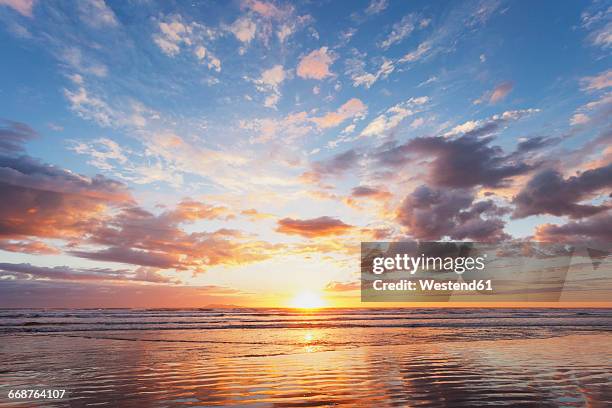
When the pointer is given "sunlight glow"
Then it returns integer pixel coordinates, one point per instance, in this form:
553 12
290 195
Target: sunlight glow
308 300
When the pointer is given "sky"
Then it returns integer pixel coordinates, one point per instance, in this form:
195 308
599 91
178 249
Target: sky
185 154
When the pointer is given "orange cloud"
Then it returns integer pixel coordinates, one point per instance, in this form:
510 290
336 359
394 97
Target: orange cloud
314 227
255 215
28 247
351 109
342 286
316 64
23 7
500 92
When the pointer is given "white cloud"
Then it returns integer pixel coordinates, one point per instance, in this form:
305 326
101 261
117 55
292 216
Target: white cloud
362 78
598 23
73 58
376 6
174 34
97 14
296 125
417 54
101 152
89 107
402 29
597 82
394 116
428 81
269 82
417 123
494 122
84 103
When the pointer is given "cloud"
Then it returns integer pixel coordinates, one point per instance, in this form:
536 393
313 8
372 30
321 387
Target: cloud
376 6
138 237
333 166
73 58
549 193
312 228
299 124
13 135
65 273
597 228
23 7
462 162
263 8
316 64
534 143
97 14
491 125
361 77
597 21
244 29
417 54
375 193
433 214
593 112
188 210
175 34
264 19
597 82
90 107
342 286
270 81
393 116
500 92
428 81
579 119
402 29
45 201
41 200
291 127
28 247
253 215
353 108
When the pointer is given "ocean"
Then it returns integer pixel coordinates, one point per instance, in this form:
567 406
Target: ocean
328 357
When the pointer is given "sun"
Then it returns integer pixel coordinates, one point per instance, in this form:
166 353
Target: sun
308 300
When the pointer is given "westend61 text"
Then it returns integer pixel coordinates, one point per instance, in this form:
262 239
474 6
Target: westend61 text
433 285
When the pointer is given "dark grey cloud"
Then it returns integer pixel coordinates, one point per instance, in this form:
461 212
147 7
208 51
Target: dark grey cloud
434 213
13 135
77 274
593 229
333 166
370 192
536 143
549 193
462 162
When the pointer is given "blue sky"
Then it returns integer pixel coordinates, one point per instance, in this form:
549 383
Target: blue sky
255 137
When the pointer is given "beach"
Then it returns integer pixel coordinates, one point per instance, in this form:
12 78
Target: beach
280 357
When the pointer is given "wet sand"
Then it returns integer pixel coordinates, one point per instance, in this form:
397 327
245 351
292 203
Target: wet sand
313 366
